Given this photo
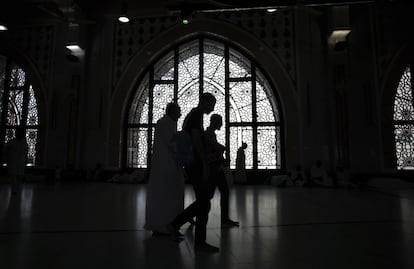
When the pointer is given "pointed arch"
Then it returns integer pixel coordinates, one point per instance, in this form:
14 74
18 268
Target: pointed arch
22 102
395 122
273 70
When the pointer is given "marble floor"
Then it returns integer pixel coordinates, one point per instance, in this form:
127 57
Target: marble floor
100 225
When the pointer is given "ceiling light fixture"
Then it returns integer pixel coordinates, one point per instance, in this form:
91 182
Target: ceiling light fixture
269 9
123 17
3 27
76 52
338 39
339 35
185 15
74 48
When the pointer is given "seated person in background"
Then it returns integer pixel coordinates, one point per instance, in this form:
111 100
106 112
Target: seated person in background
298 176
122 177
342 178
136 176
281 181
318 175
97 173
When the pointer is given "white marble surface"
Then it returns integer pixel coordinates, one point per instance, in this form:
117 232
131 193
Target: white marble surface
100 225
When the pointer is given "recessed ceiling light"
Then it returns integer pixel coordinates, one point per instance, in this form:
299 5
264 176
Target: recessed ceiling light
74 48
123 19
3 27
338 36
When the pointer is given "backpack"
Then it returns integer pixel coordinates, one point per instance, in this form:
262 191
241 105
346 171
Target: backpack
183 148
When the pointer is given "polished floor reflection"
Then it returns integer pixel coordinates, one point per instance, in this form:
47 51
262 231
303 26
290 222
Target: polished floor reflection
101 226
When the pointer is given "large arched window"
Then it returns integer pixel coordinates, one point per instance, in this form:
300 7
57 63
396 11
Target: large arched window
245 100
18 106
404 121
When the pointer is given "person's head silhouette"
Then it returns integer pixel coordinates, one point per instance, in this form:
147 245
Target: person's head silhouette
216 121
173 111
207 102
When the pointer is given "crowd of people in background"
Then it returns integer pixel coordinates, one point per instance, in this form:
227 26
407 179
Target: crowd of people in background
316 176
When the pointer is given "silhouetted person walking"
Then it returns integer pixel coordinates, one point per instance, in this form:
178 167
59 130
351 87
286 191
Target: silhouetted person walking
216 161
318 175
198 174
165 192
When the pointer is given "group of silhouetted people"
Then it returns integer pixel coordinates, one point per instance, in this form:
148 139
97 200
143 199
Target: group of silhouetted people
165 213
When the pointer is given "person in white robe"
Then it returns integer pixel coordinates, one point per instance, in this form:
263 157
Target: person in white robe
165 190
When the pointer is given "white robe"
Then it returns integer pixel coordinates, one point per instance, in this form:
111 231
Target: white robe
165 190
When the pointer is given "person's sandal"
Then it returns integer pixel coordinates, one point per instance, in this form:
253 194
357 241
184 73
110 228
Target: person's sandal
229 223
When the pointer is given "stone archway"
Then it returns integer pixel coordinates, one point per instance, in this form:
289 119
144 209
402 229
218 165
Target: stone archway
277 75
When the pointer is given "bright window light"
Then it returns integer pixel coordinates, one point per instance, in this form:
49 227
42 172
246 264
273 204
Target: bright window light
123 19
3 27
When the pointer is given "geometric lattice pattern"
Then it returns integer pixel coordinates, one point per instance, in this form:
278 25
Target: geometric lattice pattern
274 30
21 107
404 122
252 115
